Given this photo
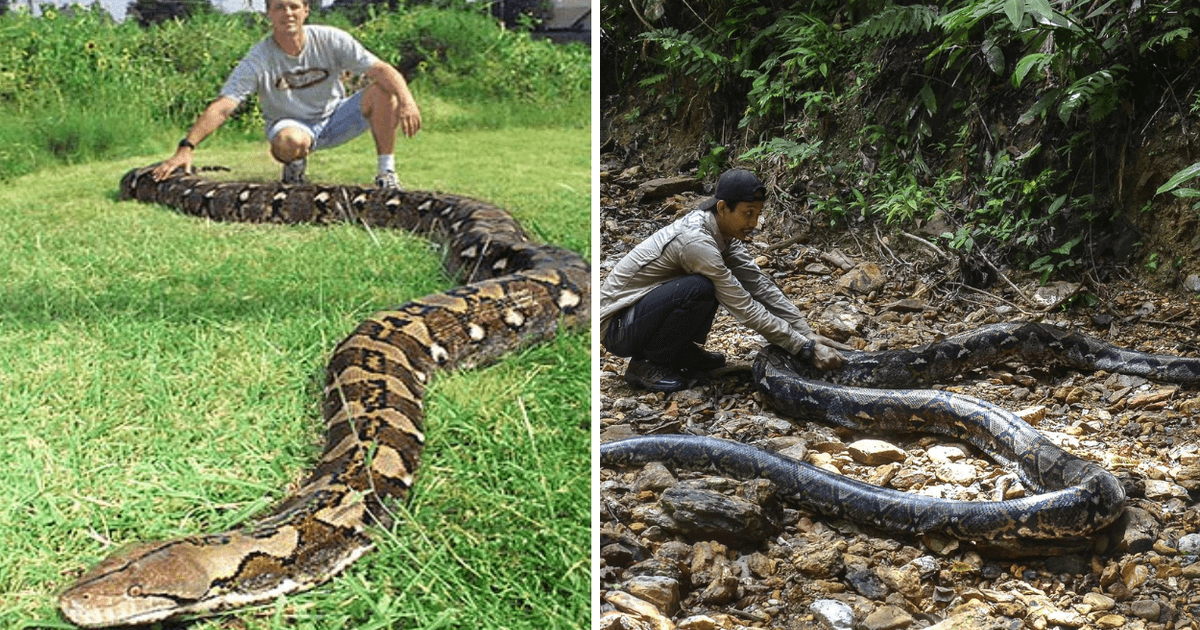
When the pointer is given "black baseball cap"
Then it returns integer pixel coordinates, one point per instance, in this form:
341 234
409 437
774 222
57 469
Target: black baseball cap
736 185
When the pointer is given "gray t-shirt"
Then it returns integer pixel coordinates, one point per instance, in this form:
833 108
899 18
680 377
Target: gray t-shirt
306 87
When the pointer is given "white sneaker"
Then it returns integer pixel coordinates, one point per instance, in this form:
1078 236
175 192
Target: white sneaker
387 181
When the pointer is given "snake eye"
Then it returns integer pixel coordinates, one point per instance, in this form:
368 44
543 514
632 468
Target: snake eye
134 591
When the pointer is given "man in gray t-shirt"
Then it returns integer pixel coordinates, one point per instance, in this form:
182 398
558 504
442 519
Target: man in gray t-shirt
296 73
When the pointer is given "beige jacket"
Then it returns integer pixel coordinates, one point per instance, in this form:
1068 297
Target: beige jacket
694 245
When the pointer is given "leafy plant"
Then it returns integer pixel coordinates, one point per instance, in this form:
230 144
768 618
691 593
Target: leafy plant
789 152
1174 185
715 162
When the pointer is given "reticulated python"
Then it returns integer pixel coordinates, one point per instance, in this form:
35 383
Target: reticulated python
1075 498
514 292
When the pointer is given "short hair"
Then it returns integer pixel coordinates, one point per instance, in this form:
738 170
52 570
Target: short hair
304 2
733 187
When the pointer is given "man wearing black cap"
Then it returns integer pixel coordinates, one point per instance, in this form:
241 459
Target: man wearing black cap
658 303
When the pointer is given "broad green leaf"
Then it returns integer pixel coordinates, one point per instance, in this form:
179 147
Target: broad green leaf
993 55
1066 248
1179 178
1039 108
1100 10
929 98
1040 7
1026 64
1015 10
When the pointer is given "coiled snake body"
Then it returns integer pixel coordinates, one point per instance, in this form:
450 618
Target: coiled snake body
1075 498
514 292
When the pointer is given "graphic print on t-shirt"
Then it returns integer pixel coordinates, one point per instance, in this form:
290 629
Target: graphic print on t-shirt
300 78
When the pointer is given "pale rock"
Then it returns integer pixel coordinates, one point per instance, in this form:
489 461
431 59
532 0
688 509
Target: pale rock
819 561
824 461
907 305
1068 618
1033 415
1099 602
840 321
945 453
722 590
1052 294
1146 609
905 580
976 616
1189 544
708 558
698 622
908 478
955 473
888 618
1158 489
798 451
761 565
875 452
833 615
1192 283
1110 621
863 279
662 592
617 620
1134 575
654 477
667 186
882 475
642 610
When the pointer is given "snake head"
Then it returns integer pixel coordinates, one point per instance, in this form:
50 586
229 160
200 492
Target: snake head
137 585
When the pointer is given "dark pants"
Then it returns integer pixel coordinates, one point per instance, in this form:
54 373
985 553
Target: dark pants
666 325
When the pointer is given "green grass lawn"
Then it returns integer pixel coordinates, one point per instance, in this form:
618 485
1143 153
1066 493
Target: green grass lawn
160 376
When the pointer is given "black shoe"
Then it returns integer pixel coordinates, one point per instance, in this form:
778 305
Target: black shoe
706 361
653 376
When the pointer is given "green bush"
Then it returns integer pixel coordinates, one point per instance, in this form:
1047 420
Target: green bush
1007 118
77 86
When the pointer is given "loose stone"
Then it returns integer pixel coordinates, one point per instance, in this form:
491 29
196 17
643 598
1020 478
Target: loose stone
1189 544
1146 609
1099 602
876 452
888 618
662 592
698 622
833 614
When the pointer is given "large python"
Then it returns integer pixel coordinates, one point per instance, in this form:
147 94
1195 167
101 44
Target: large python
514 292
1073 499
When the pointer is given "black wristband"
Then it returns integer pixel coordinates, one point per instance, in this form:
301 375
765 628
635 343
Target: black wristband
186 143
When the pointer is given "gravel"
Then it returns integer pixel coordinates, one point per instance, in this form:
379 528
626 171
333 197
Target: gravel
665 564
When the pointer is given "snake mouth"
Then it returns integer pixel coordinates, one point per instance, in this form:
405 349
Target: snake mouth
81 610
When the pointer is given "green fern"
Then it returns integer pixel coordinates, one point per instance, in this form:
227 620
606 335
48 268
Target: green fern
895 21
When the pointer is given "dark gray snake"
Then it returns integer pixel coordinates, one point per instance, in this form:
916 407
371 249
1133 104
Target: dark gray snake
1074 498
514 292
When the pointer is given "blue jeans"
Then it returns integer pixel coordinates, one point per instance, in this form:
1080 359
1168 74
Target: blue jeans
666 325
345 124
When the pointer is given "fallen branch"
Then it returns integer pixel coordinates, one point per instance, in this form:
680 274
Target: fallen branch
937 250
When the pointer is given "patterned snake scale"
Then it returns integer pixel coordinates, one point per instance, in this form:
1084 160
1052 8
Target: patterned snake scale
1074 498
514 292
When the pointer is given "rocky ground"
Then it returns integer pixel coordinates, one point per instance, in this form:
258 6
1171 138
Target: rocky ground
772 565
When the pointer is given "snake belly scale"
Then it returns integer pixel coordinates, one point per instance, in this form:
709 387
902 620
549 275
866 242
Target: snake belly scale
514 292
1073 498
